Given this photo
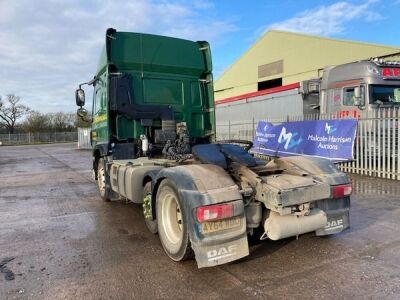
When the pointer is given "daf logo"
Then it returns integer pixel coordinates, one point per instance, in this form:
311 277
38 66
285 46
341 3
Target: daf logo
334 224
221 252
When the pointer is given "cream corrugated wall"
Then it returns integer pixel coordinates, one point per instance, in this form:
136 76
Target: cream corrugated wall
302 55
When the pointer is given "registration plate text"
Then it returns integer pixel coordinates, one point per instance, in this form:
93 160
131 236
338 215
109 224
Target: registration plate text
209 227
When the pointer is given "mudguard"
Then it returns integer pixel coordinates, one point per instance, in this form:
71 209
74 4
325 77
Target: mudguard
101 149
320 168
205 184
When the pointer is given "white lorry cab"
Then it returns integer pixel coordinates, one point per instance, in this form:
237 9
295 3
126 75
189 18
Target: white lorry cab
359 88
352 90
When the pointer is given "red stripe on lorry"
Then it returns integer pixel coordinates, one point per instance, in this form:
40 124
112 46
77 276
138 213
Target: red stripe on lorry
259 93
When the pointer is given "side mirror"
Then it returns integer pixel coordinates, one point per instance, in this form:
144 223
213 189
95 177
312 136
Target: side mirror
359 99
81 112
80 97
357 92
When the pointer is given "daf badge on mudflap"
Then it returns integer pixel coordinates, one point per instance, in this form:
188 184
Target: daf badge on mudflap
221 252
334 224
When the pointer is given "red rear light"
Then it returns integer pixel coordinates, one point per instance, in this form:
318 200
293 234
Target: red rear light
339 191
387 72
214 212
391 72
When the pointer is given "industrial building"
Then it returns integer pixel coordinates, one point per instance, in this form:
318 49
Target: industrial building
280 58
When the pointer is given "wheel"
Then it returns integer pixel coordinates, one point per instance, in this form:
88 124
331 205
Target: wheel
172 229
147 209
101 181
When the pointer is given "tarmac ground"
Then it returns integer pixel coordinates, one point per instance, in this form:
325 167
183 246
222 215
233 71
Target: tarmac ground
59 240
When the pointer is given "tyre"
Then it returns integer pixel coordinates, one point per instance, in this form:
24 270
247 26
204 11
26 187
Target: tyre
147 209
101 181
172 229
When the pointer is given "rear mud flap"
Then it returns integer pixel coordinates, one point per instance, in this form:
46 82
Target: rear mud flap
213 255
337 222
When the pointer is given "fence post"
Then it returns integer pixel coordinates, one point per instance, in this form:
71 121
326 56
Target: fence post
229 130
254 129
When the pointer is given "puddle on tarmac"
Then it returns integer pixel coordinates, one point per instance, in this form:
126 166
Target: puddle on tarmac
375 186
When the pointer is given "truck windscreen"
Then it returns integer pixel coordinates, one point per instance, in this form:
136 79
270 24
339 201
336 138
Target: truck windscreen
384 94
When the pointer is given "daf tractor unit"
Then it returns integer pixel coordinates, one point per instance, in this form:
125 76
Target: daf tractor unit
153 139
352 90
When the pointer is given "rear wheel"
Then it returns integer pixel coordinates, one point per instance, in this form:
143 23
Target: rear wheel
172 228
148 209
101 181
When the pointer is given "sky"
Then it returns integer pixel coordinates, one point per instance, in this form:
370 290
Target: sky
48 47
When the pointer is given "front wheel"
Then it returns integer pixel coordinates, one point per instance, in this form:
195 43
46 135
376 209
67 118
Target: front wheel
101 181
148 209
172 228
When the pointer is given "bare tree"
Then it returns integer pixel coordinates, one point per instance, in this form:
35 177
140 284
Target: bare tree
61 121
11 111
42 122
36 122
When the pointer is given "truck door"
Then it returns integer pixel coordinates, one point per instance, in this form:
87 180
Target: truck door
100 120
333 103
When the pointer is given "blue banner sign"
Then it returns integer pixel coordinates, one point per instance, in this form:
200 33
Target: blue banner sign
331 139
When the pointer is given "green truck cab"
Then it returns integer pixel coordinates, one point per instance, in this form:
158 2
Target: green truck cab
153 132
143 79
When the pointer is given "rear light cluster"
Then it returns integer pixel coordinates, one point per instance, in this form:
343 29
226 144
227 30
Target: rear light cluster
214 212
391 72
339 191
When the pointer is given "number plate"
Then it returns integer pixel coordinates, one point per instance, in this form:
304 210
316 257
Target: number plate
209 227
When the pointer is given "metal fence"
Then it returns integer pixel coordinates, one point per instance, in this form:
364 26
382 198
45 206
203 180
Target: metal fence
38 138
376 149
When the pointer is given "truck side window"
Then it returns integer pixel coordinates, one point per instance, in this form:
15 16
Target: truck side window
349 98
103 102
97 101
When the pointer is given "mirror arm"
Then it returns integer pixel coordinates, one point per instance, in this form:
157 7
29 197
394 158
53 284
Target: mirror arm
91 82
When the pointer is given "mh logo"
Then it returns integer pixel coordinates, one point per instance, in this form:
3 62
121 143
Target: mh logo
329 128
289 139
